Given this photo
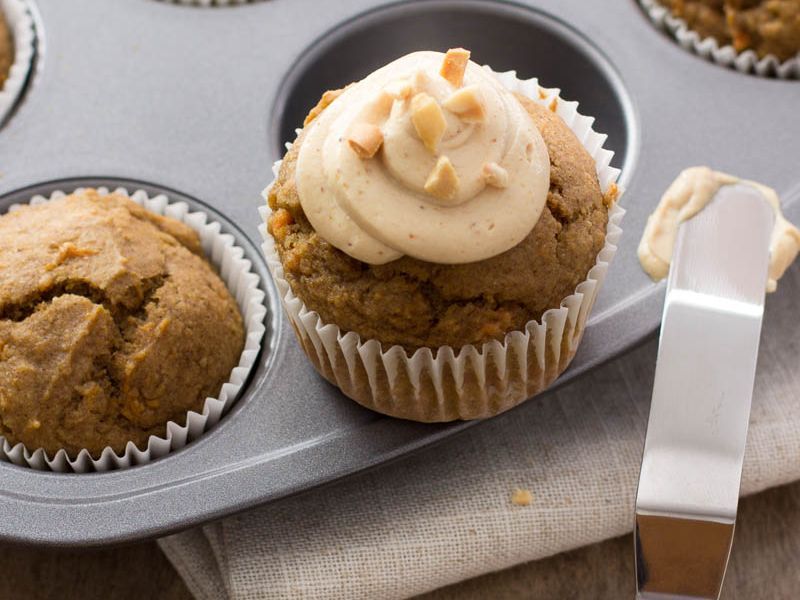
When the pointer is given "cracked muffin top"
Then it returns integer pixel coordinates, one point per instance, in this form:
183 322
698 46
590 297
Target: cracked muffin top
111 324
415 303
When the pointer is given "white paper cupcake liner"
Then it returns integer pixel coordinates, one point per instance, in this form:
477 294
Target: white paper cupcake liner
470 382
20 24
709 48
243 284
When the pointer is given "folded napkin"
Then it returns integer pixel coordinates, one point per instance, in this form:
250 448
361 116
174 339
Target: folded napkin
557 473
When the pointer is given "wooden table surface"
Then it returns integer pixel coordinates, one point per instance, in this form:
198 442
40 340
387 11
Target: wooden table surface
765 564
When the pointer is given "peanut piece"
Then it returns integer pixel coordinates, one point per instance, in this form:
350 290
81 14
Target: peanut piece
401 89
323 103
365 139
419 81
467 104
454 65
495 175
381 107
428 120
442 183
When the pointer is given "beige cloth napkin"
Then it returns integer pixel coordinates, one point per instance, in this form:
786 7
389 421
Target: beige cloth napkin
446 514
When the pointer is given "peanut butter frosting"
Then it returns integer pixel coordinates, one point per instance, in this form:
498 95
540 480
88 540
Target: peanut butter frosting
688 195
429 157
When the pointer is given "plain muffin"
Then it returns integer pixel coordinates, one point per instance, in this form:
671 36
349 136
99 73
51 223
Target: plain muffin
111 324
769 27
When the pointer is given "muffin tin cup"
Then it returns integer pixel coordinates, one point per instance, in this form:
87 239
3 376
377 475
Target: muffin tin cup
20 24
474 381
244 286
709 48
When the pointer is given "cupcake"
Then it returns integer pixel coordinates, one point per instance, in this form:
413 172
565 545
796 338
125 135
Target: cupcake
429 228
112 324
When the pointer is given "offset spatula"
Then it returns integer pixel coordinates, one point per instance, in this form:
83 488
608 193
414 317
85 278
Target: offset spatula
693 453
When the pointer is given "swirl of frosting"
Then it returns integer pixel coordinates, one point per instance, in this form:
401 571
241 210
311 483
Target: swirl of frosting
430 157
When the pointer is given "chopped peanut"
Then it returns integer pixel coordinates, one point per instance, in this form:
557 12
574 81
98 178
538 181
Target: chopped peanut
380 107
323 103
442 183
401 89
365 139
495 175
428 120
521 497
454 65
419 81
467 104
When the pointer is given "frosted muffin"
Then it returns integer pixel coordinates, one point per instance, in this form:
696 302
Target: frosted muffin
111 324
428 206
769 27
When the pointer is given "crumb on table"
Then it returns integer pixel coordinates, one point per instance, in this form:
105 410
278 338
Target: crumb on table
521 497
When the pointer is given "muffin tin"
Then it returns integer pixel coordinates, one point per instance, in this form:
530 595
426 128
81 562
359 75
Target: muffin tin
198 102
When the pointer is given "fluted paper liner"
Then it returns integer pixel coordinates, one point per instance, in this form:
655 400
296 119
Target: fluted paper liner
446 383
20 24
236 271
710 49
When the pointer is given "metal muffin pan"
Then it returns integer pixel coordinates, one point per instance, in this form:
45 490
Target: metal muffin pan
197 102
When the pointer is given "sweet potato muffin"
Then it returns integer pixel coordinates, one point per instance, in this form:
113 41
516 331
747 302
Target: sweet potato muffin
766 26
438 233
6 50
111 324
416 304
769 27
706 17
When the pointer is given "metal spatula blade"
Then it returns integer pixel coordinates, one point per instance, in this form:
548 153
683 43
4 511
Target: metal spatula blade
694 449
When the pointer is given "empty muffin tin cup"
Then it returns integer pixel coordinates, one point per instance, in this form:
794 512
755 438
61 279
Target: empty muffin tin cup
709 48
471 382
20 25
244 285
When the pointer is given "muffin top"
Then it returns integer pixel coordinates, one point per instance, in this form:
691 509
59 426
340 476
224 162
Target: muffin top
6 50
769 27
111 324
416 303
